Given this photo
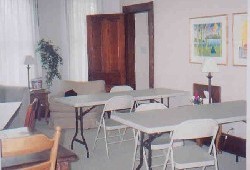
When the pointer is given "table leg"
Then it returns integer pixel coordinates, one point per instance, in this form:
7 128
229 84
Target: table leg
39 110
46 112
141 150
149 152
76 130
80 118
83 139
162 100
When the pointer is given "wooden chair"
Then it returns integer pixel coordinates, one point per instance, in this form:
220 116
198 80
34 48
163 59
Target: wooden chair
30 115
33 144
215 91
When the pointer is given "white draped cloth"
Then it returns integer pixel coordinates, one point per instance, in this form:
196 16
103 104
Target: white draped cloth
18 26
76 20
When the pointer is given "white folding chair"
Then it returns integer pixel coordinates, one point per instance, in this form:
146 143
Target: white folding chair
114 104
121 88
160 143
191 156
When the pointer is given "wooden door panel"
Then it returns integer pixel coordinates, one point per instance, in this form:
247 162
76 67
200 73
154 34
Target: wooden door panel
130 49
106 48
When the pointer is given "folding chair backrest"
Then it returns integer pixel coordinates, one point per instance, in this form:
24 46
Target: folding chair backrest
121 88
30 114
119 103
33 144
150 106
197 128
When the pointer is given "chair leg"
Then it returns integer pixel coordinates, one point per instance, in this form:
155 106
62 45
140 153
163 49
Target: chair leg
135 152
106 141
172 159
215 158
145 158
120 135
97 134
167 158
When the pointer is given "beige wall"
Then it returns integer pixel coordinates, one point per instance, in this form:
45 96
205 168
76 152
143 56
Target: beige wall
172 67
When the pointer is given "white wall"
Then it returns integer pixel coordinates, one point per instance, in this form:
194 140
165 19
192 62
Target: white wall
52 26
110 6
141 51
172 67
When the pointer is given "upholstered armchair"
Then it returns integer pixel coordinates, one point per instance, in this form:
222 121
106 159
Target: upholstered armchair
16 94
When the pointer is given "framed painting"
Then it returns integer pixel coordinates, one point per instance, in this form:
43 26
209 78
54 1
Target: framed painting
240 39
208 39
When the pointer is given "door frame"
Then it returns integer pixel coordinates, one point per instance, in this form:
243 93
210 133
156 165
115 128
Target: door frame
130 12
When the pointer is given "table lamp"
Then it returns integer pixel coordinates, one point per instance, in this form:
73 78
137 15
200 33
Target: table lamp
209 66
29 60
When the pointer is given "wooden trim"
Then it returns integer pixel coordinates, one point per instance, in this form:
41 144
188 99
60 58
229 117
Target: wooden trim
138 8
151 47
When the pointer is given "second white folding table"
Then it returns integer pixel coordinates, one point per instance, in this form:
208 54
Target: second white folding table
158 121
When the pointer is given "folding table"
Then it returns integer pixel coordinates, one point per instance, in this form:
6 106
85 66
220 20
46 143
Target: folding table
158 121
78 102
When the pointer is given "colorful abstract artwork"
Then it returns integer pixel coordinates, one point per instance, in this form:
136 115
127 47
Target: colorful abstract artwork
240 39
208 39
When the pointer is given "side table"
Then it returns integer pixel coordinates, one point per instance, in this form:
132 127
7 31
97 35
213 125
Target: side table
42 96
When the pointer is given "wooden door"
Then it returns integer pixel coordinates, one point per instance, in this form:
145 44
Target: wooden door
106 48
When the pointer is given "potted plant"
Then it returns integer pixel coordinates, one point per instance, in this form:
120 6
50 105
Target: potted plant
50 59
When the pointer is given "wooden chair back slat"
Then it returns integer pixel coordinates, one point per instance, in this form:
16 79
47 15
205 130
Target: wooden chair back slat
41 166
33 144
38 143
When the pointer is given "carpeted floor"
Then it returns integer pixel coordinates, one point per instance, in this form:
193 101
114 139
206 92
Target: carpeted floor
120 154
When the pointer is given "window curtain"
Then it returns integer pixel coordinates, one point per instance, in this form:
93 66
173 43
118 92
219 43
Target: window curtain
17 39
76 11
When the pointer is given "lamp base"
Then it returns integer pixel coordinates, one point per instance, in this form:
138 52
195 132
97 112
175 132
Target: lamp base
28 69
209 76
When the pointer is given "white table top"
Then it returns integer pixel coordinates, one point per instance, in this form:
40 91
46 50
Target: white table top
7 110
101 98
154 121
15 133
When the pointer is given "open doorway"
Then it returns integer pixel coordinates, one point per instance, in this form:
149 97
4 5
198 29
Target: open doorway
130 14
141 51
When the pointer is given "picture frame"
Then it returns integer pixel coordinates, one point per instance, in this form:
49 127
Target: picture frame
208 39
239 39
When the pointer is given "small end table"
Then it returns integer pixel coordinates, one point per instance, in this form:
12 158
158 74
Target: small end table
42 96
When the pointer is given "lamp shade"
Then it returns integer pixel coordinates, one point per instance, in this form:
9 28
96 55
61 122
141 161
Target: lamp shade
29 60
210 65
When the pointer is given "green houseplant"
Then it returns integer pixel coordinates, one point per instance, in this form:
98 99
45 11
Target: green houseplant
50 59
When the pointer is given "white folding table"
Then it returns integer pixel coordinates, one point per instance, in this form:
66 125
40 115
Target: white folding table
157 121
78 102
7 111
